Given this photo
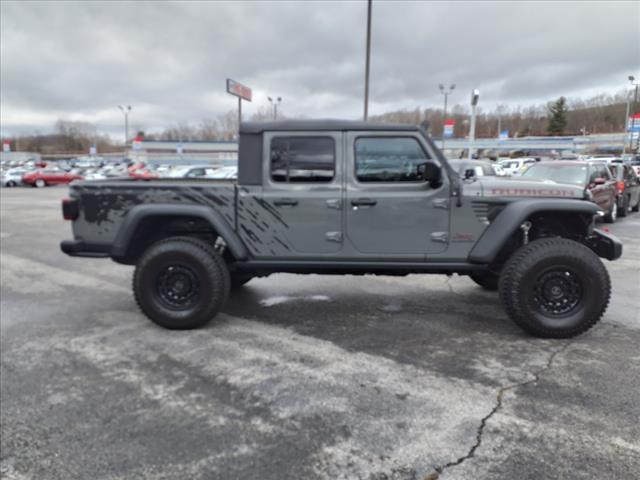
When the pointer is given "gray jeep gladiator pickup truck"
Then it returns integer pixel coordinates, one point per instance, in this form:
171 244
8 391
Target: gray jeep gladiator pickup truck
340 197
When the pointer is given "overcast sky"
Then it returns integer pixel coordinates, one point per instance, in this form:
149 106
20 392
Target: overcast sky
170 60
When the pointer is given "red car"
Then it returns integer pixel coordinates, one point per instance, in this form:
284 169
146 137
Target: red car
142 174
44 177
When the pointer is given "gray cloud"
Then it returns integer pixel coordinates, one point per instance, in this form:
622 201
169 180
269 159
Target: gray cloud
170 60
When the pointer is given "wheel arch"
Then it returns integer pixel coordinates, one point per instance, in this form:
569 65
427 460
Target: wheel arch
144 224
503 227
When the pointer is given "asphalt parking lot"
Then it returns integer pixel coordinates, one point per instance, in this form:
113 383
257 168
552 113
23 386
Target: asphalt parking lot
302 377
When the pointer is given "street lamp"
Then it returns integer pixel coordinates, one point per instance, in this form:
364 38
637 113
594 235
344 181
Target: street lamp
125 111
274 104
446 94
475 96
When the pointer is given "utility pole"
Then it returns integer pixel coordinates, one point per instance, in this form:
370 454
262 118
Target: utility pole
368 57
475 96
444 118
125 111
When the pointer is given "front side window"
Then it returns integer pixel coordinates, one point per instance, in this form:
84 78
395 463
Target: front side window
389 159
303 159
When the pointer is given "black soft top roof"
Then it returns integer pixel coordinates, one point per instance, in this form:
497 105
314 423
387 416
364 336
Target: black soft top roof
322 125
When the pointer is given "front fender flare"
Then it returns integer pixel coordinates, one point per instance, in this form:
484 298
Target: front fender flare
511 217
133 219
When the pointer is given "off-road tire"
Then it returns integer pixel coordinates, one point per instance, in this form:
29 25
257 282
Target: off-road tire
613 213
163 265
488 281
525 298
238 280
624 208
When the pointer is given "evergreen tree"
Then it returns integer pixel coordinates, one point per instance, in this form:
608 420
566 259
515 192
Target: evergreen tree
557 117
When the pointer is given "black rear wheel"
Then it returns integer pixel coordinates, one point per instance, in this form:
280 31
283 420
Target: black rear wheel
623 208
181 283
555 288
488 281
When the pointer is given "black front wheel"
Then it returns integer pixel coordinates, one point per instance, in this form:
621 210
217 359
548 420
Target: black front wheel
181 283
555 288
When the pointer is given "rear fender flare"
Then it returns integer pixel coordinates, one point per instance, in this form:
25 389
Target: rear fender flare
511 217
135 216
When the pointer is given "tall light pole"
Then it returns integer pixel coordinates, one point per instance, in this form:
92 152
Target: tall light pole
446 93
625 129
367 62
125 111
274 105
635 110
475 96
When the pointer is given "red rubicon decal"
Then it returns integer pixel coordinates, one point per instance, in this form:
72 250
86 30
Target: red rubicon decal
531 192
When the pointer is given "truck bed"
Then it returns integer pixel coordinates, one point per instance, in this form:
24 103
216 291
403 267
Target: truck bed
104 203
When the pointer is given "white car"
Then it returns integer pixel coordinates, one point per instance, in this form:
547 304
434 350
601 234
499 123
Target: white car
191 171
13 177
516 166
227 173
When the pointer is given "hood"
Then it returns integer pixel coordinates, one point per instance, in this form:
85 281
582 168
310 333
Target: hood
521 187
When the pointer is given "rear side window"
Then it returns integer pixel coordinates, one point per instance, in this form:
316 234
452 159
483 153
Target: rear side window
303 159
389 159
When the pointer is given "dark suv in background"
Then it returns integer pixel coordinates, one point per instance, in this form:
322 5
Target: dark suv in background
628 187
595 177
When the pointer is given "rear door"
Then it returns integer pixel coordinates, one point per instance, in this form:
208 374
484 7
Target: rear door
301 199
390 209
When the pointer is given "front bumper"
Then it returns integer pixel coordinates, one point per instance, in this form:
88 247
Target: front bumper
605 245
80 248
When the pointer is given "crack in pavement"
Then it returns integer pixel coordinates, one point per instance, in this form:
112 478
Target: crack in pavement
483 423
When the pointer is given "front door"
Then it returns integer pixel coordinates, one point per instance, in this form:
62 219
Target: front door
390 209
302 188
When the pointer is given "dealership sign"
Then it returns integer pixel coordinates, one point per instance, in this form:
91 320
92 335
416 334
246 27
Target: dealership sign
239 90
634 123
449 125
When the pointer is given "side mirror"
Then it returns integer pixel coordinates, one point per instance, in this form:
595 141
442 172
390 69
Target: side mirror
469 173
431 172
599 181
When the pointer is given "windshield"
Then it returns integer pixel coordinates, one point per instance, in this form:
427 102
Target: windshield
574 174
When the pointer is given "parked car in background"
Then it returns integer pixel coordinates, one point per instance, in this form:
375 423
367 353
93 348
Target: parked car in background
628 186
595 177
191 171
634 161
13 177
44 177
473 168
143 174
516 166
225 173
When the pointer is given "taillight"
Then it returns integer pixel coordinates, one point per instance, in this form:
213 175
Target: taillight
70 208
620 186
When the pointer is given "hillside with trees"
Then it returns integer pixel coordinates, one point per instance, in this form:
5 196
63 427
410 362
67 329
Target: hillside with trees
600 114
